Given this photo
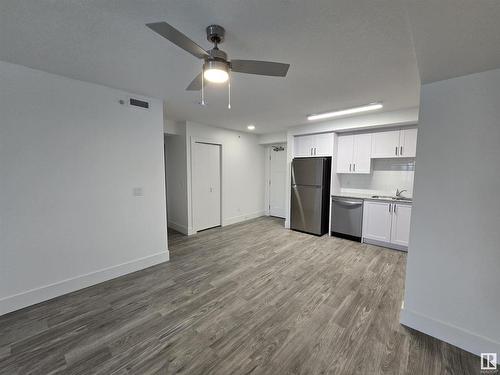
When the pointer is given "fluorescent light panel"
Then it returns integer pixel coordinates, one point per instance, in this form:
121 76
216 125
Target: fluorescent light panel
342 112
251 127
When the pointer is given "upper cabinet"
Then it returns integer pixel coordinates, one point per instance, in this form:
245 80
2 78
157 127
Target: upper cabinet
394 143
313 145
354 153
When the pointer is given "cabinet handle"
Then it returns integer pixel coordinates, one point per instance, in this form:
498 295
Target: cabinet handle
401 151
390 207
395 207
354 167
350 166
396 150
315 151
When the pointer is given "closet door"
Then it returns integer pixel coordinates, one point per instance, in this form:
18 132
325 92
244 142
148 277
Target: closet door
206 183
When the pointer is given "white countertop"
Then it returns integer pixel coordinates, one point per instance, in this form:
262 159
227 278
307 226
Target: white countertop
370 197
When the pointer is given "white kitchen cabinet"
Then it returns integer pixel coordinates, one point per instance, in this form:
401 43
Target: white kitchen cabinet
385 144
408 143
345 147
323 144
386 224
394 143
400 231
354 154
313 145
377 221
303 145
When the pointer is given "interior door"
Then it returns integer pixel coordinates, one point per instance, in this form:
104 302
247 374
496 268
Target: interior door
400 232
377 219
277 182
206 180
345 153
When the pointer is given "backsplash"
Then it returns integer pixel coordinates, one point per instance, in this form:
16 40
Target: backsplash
387 176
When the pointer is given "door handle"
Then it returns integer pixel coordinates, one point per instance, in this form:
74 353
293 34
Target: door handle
396 150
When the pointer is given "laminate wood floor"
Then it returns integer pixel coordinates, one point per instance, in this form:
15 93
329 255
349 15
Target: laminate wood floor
252 298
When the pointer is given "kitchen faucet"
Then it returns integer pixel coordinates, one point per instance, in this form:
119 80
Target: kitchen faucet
398 193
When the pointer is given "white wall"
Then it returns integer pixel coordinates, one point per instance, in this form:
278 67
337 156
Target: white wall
453 271
70 157
387 175
176 172
273 138
242 172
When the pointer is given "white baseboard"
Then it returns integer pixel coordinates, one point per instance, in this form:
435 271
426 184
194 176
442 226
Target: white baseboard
449 333
178 227
46 292
238 219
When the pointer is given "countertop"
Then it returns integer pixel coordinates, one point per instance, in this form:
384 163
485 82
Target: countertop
369 197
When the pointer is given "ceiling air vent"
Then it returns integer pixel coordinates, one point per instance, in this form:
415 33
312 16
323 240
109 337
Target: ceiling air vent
139 103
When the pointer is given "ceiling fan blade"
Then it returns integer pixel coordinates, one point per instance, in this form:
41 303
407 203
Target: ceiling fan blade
265 68
175 36
195 84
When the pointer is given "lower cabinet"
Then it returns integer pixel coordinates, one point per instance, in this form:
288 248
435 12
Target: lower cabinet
386 224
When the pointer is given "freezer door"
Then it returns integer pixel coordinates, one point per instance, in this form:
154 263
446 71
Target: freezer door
306 204
307 171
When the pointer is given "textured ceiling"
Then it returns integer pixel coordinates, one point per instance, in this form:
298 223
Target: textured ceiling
455 37
342 53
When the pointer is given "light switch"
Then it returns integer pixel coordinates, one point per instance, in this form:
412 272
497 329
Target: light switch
138 192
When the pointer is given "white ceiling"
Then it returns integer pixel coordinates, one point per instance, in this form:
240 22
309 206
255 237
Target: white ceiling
455 37
342 52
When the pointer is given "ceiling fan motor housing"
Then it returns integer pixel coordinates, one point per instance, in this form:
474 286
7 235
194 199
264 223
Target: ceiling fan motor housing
215 34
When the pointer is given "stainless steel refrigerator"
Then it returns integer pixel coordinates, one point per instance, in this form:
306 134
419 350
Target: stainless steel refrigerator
310 199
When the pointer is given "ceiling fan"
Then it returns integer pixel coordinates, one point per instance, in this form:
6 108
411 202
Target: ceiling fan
216 66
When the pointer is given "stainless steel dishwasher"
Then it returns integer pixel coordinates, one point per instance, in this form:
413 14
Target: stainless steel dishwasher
347 218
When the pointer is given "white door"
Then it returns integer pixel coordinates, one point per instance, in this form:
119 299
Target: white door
408 146
362 153
206 197
277 181
344 153
385 144
400 232
303 146
323 144
377 221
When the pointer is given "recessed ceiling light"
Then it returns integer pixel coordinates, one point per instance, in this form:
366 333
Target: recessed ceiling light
342 112
251 127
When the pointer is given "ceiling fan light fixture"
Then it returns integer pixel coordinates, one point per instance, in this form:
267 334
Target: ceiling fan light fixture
215 71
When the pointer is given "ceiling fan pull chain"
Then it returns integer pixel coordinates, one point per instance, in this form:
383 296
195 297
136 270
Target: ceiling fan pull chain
202 87
229 91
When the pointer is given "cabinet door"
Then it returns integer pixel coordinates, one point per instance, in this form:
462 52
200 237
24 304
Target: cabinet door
400 232
344 153
323 144
385 144
303 145
377 221
362 153
408 146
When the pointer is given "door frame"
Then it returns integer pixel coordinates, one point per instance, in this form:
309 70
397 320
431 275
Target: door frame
193 140
267 177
